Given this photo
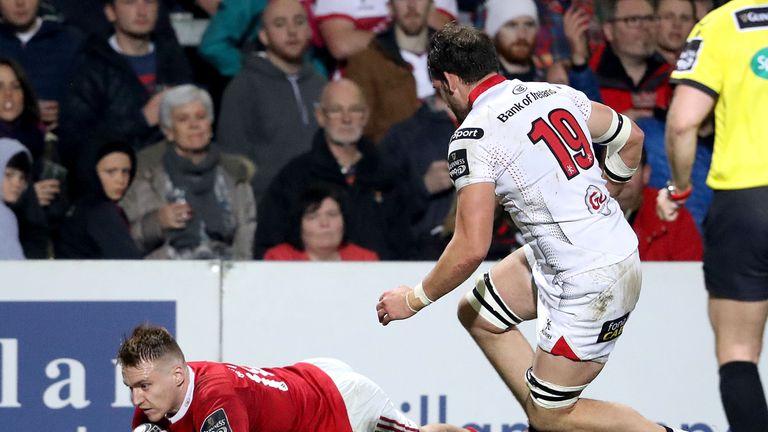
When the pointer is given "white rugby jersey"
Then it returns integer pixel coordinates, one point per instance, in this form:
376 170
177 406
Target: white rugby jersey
531 140
370 14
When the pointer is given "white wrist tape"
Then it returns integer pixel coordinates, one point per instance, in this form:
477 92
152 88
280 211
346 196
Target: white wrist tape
418 291
614 140
612 131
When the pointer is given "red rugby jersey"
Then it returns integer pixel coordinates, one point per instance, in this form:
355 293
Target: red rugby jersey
224 397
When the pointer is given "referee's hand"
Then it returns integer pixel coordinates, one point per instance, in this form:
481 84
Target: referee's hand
666 209
392 305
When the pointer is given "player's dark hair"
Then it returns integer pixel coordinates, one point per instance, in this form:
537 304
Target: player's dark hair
461 50
147 343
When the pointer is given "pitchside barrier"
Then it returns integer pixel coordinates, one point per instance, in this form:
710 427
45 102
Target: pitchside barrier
61 323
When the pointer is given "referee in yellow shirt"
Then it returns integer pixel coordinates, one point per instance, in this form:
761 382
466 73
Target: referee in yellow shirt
725 66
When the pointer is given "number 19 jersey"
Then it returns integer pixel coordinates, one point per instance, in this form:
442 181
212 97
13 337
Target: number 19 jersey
531 140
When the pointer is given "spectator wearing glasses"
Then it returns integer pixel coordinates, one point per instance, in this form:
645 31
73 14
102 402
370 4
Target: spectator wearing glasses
342 160
633 77
676 19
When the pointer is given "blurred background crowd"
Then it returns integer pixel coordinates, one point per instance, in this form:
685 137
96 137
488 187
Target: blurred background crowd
296 129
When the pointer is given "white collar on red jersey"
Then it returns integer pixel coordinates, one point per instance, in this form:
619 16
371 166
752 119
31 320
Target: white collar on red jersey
187 398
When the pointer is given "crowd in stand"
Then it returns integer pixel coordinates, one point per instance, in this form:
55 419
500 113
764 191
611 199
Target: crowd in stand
330 142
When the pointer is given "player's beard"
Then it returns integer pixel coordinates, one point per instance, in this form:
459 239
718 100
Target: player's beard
518 52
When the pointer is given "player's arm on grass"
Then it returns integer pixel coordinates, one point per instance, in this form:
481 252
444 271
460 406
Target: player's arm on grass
467 249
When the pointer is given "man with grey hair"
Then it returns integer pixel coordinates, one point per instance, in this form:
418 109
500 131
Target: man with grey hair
350 165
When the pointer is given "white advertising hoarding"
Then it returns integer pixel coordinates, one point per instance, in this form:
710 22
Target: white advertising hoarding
61 323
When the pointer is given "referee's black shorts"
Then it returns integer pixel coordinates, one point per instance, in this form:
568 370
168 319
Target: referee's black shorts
736 245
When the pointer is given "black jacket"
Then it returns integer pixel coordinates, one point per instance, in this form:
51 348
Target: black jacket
47 58
375 206
96 227
412 146
106 98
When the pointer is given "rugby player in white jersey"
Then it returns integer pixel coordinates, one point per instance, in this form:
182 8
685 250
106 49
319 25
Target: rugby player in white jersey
528 147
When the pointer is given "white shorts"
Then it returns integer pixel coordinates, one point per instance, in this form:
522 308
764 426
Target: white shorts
368 407
579 317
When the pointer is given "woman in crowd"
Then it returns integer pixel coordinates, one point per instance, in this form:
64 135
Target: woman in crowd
189 201
96 227
15 164
318 233
41 207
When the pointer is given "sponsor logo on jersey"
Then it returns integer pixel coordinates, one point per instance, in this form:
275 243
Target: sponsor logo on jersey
596 201
519 89
690 54
612 329
524 103
760 63
752 18
467 133
216 422
458 166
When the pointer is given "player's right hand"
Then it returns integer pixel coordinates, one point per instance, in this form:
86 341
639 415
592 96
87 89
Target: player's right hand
392 305
148 427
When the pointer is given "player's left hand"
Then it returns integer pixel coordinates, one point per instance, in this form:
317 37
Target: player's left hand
392 306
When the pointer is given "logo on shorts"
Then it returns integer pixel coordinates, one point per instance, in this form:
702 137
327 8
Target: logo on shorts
612 329
467 133
547 329
760 63
596 201
458 166
690 54
751 18
216 422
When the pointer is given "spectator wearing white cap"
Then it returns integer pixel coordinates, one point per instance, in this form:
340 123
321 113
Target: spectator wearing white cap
513 26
